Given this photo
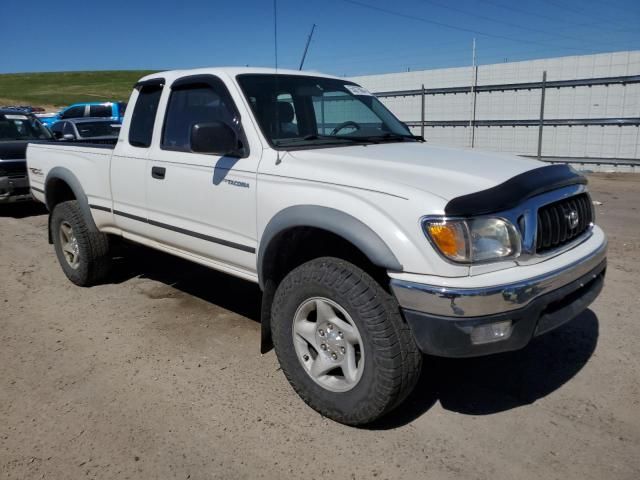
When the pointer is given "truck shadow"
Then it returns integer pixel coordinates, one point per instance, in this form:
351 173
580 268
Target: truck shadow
496 383
23 209
231 293
472 386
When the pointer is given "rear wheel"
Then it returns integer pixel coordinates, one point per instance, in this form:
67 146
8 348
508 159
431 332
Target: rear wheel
342 342
83 254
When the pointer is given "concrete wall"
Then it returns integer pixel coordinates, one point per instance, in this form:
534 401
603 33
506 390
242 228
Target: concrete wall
565 103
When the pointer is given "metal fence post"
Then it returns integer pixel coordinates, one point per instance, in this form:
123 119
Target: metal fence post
422 114
544 88
473 110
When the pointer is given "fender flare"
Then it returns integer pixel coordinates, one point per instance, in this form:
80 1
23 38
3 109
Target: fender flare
334 221
64 174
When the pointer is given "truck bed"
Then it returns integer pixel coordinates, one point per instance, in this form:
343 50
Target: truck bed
88 162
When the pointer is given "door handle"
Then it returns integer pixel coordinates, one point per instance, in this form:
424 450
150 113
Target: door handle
158 172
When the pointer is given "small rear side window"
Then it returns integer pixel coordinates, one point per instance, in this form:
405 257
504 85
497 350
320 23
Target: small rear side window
100 111
144 116
73 112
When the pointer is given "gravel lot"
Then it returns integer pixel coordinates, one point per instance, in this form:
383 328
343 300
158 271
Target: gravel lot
158 375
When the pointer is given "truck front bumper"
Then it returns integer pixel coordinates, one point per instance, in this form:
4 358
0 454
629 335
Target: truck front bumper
14 189
454 322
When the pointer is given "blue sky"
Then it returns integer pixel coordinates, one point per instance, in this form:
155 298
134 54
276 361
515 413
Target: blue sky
352 36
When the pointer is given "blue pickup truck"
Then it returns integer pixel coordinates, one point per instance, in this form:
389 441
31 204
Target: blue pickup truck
111 110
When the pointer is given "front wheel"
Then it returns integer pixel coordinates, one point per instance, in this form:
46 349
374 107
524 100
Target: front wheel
342 343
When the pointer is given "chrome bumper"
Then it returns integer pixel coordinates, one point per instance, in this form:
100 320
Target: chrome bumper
475 302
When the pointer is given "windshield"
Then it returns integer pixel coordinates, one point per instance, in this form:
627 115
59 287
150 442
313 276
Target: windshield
97 129
21 127
304 112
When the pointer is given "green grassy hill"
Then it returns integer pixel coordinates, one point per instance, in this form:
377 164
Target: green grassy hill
63 88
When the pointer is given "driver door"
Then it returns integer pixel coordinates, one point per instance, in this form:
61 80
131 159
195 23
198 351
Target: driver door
203 204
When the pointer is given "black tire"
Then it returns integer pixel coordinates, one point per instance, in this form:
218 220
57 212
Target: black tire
94 263
393 360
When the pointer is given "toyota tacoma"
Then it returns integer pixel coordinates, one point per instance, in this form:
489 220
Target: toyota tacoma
371 247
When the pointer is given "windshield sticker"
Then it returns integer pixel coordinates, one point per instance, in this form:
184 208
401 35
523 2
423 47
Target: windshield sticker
15 117
357 90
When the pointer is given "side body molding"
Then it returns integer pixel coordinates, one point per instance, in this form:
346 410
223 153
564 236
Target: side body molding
334 221
64 174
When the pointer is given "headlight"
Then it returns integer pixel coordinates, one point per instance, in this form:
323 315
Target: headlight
473 240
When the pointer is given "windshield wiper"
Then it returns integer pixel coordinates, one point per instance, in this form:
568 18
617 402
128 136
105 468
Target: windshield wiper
418 138
332 138
396 136
351 138
365 139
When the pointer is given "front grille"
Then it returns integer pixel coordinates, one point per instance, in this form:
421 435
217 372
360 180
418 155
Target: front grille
13 169
17 154
557 222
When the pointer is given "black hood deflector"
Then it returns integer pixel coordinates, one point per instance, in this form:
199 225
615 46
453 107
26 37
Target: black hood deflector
514 191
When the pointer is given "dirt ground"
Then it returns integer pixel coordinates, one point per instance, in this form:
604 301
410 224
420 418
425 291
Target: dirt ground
158 375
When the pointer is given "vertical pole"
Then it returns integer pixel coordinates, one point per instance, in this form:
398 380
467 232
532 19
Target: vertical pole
324 128
544 87
422 114
473 111
473 94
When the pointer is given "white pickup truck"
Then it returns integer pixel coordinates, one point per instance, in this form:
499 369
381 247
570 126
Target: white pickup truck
370 246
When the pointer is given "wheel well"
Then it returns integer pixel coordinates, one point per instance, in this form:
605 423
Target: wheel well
58 191
295 246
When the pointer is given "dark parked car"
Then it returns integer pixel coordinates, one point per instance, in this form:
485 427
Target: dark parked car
86 130
17 129
24 108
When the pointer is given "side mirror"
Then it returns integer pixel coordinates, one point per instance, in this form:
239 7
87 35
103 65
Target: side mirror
69 136
217 138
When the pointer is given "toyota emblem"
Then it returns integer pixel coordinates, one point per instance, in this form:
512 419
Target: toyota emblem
572 219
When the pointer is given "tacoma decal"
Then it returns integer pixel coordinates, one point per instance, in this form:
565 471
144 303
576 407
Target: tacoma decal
237 183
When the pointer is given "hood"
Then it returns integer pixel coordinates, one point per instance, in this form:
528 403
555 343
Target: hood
16 149
13 150
398 168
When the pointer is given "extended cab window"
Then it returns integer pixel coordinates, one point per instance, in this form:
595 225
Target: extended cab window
100 111
73 112
193 103
144 115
